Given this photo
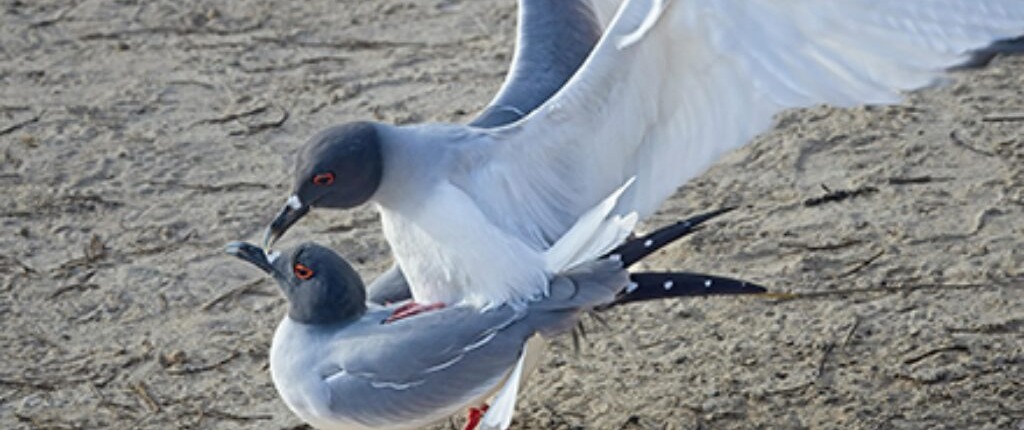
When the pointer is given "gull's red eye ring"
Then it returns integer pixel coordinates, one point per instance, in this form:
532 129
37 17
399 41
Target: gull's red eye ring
324 179
302 272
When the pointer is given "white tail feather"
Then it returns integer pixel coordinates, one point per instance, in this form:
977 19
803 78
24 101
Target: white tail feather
499 414
594 234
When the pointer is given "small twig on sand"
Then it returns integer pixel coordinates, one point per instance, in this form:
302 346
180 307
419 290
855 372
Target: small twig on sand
235 116
839 195
914 180
1005 117
957 140
822 247
140 389
851 331
787 296
860 266
920 357
231 294
18 125
251 129
73 287
188 370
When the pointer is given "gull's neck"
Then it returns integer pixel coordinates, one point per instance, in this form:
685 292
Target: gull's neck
415 158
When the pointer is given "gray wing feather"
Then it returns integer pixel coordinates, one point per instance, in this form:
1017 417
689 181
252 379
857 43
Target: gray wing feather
430 365
390 287
555 38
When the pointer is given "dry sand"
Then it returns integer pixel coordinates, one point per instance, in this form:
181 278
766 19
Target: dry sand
138 137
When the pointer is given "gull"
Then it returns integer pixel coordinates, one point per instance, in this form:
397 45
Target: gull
472 212
342 363
554 38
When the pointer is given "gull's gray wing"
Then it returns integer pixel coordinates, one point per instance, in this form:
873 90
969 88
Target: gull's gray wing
390 287
427 366
554 38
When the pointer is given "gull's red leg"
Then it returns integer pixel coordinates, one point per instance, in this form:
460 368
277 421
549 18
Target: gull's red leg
474 416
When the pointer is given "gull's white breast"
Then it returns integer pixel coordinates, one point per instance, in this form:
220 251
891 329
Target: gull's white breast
450 252
296 356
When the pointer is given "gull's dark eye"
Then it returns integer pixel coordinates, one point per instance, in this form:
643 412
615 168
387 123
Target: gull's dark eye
302 272
324 179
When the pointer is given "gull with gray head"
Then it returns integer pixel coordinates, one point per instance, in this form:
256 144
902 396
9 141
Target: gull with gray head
472 211
341 363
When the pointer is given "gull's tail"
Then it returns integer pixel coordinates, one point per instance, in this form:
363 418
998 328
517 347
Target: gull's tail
595 233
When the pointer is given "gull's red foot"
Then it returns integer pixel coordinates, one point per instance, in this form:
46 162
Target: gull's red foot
412 308
474 416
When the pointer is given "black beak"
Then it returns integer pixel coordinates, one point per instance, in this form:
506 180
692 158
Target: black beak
251 253
289 215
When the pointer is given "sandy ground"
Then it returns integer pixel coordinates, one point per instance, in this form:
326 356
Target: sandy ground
138 137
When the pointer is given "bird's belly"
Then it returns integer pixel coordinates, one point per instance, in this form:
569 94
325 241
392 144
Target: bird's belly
449 253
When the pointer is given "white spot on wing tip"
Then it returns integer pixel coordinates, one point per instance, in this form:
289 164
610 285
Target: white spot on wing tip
707 283
294 202
631 287
648 243
668 284
615 257
273 256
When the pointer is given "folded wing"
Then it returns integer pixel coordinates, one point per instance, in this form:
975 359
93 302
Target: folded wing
422 368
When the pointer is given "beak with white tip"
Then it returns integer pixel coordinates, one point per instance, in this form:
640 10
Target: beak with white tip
292 212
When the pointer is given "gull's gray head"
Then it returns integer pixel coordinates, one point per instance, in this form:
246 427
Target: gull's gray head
341 167
321 287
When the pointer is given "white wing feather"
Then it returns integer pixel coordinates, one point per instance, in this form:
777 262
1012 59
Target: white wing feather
697 78
594 234
499 415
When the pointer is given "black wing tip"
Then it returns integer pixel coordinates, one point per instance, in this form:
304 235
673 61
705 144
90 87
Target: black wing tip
638 248
647 286
980 58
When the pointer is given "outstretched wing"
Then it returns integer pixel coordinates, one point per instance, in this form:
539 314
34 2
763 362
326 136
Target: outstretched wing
554 37
673 84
